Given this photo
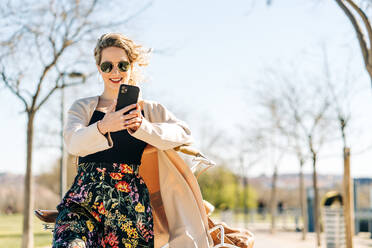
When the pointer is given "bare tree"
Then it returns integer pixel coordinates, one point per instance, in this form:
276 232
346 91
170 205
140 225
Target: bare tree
356 12
288 128
275 141
250 147
303 202
273 194
341 92
309 112
41 42
298 106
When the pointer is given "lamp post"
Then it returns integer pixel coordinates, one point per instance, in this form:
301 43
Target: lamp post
63 171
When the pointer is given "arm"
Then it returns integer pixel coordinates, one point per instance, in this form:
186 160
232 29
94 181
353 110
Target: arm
163 130
80 139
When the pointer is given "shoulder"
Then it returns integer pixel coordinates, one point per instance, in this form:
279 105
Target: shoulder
152 105
84 104
155 111
155 108
85 100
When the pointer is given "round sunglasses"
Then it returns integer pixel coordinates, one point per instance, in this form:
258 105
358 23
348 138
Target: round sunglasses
107 66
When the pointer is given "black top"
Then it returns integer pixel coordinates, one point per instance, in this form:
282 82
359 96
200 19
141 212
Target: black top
126 149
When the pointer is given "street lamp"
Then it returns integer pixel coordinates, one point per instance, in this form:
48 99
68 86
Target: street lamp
63 172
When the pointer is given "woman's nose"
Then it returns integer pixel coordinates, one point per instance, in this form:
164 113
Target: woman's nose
115 70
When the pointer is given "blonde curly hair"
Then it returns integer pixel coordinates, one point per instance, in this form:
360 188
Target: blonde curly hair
137 54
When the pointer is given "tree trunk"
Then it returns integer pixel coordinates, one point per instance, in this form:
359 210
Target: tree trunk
347 200
303 202
28 238
246 197
273 199
316 202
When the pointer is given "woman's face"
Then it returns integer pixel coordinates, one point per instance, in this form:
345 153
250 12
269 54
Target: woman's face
115 77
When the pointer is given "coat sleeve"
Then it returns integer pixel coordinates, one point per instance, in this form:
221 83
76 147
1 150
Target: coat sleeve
80 139
164 131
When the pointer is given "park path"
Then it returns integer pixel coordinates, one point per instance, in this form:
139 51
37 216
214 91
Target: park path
291 239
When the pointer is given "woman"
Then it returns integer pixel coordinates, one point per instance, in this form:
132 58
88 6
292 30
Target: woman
108 204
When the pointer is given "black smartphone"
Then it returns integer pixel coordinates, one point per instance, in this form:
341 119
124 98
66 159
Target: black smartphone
128 94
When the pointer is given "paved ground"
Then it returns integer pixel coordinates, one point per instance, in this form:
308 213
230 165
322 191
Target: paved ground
292 239
263 239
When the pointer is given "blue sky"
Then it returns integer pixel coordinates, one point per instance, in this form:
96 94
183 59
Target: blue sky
216 48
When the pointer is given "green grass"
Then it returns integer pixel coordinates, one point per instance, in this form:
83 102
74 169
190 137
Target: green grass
11 232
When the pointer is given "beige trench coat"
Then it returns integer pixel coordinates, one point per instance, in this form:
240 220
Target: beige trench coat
180 193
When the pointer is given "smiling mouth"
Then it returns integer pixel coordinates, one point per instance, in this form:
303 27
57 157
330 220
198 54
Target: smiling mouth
115 80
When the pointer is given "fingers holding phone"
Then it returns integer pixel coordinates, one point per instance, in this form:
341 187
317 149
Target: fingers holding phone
134 123
116 121
127 114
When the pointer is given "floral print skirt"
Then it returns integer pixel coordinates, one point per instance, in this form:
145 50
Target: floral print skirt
108 205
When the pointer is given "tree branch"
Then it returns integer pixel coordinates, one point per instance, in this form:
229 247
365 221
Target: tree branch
13 90
366 22
99 27
64 85
45 71
360 36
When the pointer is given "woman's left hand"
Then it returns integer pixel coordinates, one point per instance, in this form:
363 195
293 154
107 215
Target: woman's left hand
134 123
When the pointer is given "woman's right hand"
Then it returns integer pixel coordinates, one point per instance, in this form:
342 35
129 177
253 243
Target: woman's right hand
115 121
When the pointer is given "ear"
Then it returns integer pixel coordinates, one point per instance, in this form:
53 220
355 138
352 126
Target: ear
99 68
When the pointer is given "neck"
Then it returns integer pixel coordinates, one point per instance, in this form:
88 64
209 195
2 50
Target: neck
109 95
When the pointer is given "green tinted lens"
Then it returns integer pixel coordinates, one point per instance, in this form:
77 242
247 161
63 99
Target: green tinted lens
123 65
106 67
